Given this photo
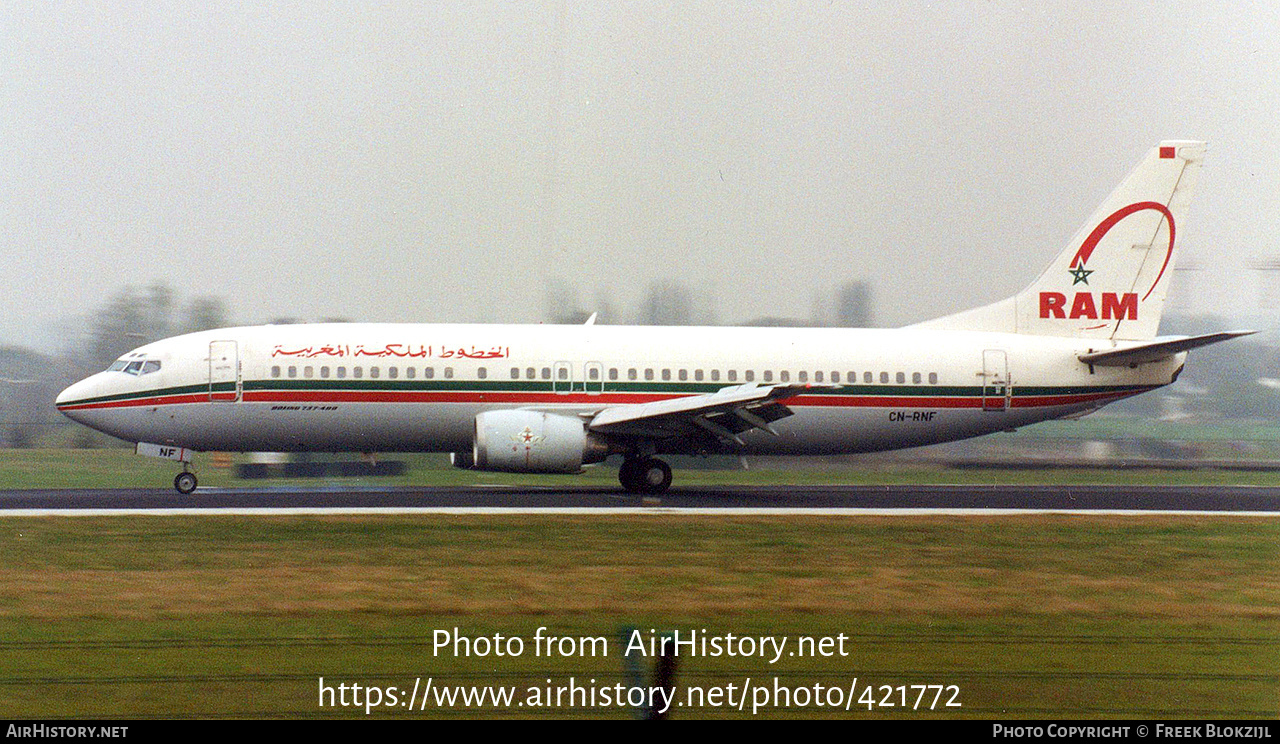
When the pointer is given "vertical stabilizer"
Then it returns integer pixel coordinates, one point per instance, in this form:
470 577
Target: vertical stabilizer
1112 278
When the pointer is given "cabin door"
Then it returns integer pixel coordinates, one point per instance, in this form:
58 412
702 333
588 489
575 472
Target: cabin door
224 372
996 390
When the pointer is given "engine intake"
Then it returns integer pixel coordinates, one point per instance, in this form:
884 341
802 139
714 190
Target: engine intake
534 442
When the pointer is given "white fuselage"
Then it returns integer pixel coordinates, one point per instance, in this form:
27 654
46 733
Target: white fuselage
407 387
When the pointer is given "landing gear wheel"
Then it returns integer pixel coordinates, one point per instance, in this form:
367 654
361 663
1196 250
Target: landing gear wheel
649 475
655 476
627 475
185 482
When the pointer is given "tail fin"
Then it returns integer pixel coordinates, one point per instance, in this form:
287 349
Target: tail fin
1112 278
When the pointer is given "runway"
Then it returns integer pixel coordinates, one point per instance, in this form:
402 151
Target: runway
898 499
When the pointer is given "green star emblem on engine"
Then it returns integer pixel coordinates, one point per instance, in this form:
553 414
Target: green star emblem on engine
1081 275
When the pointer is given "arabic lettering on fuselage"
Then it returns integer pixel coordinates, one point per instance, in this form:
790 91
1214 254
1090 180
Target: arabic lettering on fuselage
399 351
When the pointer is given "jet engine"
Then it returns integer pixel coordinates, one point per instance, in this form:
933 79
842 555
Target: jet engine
534 442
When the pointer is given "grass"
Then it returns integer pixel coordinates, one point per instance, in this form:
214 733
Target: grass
1029 616
1032 616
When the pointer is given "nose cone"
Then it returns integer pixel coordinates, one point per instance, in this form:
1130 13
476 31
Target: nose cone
76 399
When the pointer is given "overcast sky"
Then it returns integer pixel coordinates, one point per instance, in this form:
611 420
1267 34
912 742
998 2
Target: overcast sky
446 161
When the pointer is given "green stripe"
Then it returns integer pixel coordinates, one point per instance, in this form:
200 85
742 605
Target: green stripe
545 386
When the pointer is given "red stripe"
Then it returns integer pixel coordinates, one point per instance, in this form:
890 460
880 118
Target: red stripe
159 400
813 401
303 396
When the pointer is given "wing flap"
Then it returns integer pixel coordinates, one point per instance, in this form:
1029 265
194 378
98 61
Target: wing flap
724 414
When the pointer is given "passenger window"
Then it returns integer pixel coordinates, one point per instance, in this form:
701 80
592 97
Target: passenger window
293 371
531 374
275 371
324 372
884 377
448 373
410 372
373 372
546 373
697 375
666 374
342 372
562 373
933 378
648 373
683 374
768 375
817 376
613 373
915 378
515 373
356 372
733 375
866 377
901 377
593 373
715 375
308 371
749 375
631 374
429 373
835 377
393 372
482 372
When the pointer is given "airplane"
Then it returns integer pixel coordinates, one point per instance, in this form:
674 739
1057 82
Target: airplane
556 398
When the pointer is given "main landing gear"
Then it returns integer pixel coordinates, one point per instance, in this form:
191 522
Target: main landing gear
644 475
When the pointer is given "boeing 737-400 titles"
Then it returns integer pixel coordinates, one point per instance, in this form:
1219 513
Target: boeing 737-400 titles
553 399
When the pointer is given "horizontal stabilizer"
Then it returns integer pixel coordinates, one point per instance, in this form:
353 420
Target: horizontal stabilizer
1156 350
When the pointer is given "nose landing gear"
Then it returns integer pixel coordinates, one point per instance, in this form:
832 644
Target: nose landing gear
185 481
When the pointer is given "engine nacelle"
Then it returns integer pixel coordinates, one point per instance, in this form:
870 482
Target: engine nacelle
534 442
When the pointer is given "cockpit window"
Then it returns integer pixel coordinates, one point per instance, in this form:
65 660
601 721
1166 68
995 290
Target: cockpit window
135 366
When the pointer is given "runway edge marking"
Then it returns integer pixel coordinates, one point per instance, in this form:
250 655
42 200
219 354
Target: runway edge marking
608 511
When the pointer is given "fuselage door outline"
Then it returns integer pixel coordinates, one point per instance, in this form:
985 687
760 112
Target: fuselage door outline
996 390
224 370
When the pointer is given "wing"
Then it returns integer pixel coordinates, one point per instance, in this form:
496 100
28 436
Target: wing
723 414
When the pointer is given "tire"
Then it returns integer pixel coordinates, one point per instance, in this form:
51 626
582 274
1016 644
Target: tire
653 476
185 482
628 477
